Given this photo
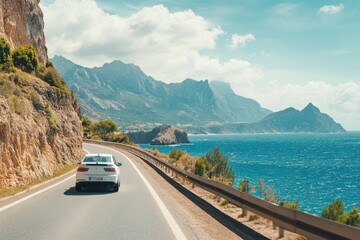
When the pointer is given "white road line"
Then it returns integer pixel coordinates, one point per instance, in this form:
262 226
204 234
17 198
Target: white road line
169 218
36 193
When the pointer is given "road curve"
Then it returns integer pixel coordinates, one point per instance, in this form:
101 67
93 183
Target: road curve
63 213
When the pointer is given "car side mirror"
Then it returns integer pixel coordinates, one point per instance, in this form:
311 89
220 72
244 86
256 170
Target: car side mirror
118 164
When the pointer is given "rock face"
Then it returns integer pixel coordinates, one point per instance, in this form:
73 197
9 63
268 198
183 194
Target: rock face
21 22
162 135
40 130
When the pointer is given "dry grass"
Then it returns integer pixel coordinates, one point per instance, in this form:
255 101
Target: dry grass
10 191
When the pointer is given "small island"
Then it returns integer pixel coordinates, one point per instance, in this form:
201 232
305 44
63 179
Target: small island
161 135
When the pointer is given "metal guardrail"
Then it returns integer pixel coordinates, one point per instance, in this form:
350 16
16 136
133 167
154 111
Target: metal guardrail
310 226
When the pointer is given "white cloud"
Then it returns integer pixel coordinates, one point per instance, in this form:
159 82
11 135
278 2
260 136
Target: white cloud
166 45
241 40
331 9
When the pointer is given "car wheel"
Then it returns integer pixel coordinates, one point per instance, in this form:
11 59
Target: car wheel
116 187
78 188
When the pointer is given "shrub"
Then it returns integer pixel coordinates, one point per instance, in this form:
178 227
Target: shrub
36 100
52 77
104 127
17 105
25 58
291 205
334 210
4 51
175 154
50 117
200 167
351 218
244 187
217 165
224 203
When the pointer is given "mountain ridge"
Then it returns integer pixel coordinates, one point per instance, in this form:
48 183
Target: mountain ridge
124 91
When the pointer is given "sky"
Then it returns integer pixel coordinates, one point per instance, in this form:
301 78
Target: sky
280 53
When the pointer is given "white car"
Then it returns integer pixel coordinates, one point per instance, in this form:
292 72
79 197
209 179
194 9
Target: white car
98 170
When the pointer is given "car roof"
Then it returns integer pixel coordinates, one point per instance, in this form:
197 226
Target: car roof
98 154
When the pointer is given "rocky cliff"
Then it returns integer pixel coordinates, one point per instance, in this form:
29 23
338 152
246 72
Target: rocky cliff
162 135
40 130
21 22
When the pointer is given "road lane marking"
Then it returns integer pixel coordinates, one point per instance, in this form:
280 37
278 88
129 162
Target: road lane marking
37 193
34 194
169 218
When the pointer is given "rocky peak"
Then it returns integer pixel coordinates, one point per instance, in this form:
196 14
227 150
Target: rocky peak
21 23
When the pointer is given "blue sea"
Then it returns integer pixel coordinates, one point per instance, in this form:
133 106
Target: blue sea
312 168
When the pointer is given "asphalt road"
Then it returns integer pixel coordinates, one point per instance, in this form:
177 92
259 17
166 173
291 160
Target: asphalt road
62 213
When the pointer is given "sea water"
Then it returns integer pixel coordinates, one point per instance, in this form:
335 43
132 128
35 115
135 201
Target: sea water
312 168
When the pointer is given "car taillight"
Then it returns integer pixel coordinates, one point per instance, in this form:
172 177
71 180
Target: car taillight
109 169
82 169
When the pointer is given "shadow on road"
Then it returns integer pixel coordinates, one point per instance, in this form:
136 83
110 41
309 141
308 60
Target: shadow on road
86 191
230 223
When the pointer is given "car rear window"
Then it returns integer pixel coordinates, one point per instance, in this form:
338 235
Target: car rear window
104 159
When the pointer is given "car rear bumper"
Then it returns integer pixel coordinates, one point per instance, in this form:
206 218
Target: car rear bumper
90 183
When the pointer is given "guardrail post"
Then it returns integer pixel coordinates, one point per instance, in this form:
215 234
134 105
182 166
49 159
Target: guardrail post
244 212
281 232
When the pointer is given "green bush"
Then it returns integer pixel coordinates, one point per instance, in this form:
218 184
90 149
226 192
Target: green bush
217 165
200 167
25 58
36 100
334 210
4 51
175 155
291 205
244 187
103 128
52 77
17 105
351 218
50 117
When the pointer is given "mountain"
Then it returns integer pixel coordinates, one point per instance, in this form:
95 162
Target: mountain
40 130
310 119
290 120
246 109
124 93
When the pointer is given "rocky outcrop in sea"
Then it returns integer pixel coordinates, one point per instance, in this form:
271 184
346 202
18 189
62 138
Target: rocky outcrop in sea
161 135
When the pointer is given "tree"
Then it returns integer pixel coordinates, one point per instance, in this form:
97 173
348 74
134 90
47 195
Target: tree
261 187
244 187
102 128
4 51
25 58
200 167
217 165
176 154
334 210
351 218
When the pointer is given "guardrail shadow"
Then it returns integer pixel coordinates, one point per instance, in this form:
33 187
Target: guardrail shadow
236 227
88 191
